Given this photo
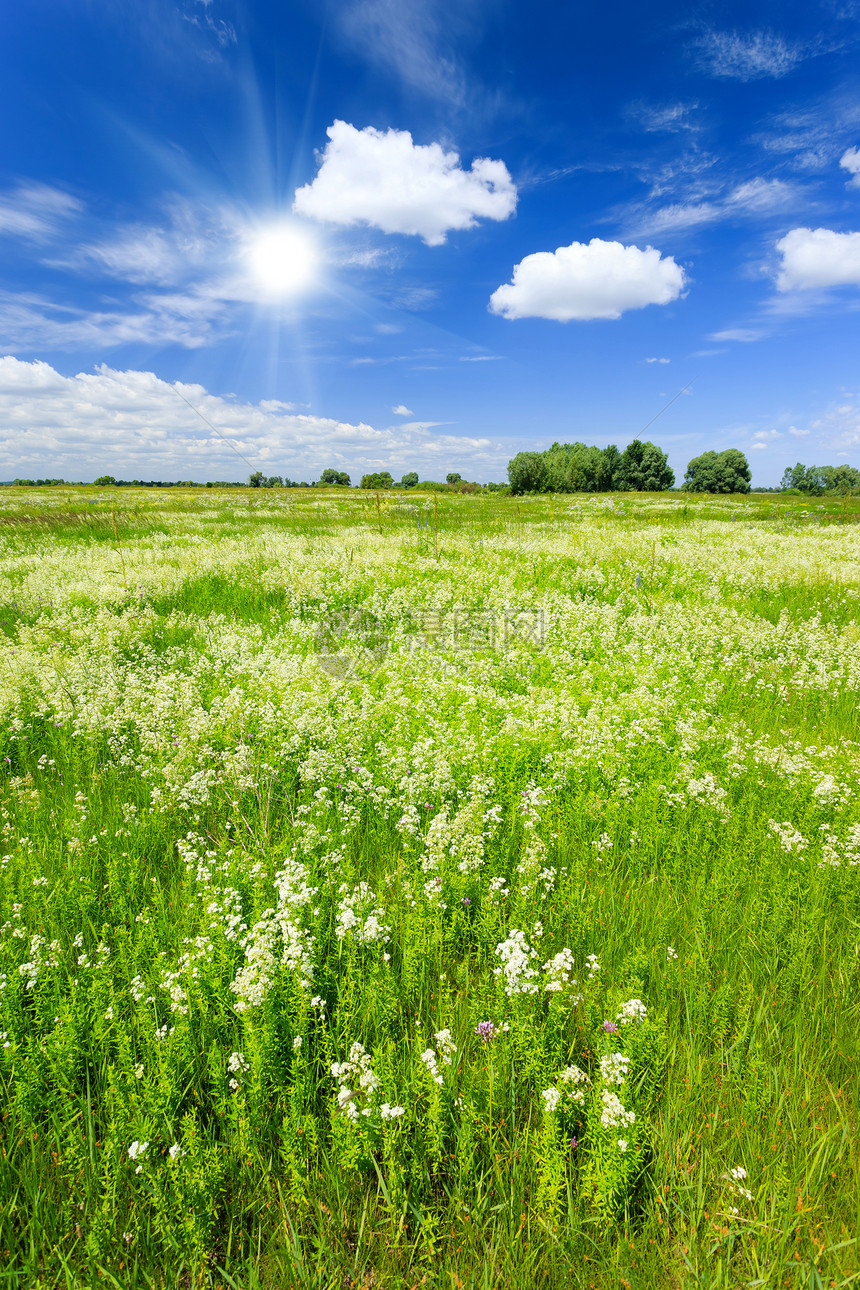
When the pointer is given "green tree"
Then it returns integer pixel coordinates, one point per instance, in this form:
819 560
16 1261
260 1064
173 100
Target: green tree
452 477
793 477
607 469
104 481
527 472
644 468
845 479
257 480
334 478
718 472
410 480
378 479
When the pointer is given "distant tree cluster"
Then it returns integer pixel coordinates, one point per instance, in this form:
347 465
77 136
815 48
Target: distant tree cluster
454 483
335 478
108 481
259 480
816 480
718 472
582 468
37 483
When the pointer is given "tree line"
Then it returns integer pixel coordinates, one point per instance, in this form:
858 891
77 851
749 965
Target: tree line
583 468
817 480
563 468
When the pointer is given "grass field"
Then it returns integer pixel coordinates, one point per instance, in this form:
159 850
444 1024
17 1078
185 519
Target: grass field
458 898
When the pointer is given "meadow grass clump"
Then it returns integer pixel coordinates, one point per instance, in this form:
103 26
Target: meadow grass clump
395 905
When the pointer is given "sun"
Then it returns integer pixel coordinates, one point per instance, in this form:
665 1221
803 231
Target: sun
282 259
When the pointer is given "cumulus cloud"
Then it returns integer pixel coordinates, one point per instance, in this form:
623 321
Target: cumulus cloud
850 161
816 258
751 57
134 425
35 211
588 280
402 411
658 360
383 179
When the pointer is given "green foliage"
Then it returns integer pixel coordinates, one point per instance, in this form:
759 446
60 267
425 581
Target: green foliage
580 468
333 477
843 480
718 472
377 480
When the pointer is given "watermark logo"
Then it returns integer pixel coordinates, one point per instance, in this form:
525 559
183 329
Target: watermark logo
356 640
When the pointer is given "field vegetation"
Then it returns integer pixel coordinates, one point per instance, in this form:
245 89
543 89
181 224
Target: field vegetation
428 891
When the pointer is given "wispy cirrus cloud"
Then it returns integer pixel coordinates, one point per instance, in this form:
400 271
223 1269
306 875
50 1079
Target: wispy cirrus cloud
36 211
747 56
743 335
712 203
412 42
665 118
30 322
810 138
220 29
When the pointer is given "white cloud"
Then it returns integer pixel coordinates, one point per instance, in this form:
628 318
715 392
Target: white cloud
133 425
838 428
764 446
30 322
812 137
669 118
850 161
658 360
820 257
408 40
751 57
582 281
798 434
383 179
35 211
744 335
402 411
767 435
760 196
223 31
480 358
754 197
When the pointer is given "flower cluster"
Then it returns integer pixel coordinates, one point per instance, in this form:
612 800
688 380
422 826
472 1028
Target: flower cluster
558 971
612 1114
356 1070
359 917
632 1010
516 968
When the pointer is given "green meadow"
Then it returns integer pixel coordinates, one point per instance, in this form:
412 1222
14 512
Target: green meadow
439 891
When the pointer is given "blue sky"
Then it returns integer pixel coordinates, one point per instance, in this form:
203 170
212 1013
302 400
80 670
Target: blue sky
425 236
